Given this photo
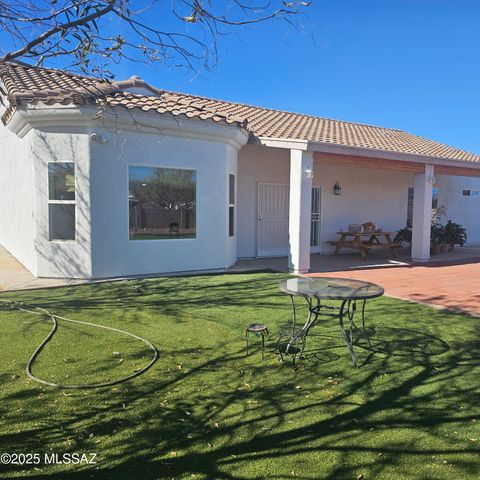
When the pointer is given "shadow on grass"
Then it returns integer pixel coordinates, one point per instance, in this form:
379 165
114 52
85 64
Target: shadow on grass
179 443
386 340
167 296
228 416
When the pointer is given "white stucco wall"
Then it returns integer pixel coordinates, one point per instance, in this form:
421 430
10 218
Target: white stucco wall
256 164
367 194
379 196
460 209
113 253
102 247
17 197
231 242
62 258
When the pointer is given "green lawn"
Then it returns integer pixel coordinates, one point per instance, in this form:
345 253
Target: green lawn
206 411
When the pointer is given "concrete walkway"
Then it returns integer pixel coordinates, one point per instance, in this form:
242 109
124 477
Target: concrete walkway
14 276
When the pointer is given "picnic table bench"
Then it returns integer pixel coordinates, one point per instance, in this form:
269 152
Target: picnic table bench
364 241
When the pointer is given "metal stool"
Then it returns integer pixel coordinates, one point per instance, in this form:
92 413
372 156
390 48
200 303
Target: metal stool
257 329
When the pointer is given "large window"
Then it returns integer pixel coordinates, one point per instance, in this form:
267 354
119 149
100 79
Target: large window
162 203
61 201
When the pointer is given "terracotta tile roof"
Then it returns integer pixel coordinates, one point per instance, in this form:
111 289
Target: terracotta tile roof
25 84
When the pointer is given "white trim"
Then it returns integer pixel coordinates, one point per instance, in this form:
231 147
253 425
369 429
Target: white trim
56 240
62 202
24 119
319 248
41 115
232 205
150 165
280 143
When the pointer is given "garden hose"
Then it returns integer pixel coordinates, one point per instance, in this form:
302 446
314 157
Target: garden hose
54 318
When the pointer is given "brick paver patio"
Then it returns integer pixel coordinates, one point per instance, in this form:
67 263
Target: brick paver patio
452 286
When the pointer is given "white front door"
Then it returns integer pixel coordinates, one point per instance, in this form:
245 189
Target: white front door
316 226
272 219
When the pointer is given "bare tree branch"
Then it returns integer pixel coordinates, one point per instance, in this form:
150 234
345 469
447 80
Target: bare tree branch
57 29
89 32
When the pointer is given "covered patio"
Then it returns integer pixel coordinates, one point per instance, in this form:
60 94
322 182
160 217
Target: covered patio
350 262
310 162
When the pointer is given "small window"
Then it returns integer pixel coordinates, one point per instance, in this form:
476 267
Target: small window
434 198
410 204
162 203
61 201
231 207
410 207
471 193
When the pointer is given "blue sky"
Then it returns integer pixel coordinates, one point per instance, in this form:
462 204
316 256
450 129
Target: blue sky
409 64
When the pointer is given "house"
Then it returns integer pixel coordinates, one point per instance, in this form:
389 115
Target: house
104 179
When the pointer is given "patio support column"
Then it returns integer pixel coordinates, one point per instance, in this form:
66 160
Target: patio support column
301 173
422 215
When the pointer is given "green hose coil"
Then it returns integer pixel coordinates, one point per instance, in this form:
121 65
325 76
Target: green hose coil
54 318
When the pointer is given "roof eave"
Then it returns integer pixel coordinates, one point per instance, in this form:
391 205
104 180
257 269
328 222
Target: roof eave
325 147
389 155
24 119
288 143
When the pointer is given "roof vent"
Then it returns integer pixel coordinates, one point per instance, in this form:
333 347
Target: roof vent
136 86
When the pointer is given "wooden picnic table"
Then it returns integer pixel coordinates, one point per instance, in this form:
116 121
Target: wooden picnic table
365 241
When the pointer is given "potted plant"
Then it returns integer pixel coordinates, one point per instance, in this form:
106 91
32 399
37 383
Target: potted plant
444 245
404 235
436 238
455 234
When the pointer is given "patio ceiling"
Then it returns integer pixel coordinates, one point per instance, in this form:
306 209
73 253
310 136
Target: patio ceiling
390 164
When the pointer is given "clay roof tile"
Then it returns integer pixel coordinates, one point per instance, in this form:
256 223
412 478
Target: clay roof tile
27 84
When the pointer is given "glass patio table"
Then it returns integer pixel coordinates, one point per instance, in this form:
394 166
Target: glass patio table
317 289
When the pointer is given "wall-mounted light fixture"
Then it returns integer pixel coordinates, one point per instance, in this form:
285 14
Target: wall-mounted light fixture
337 189
97 138
308 173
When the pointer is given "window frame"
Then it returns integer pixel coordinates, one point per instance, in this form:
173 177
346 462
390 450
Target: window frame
171 167
61 202
470 193
231 205
435 198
